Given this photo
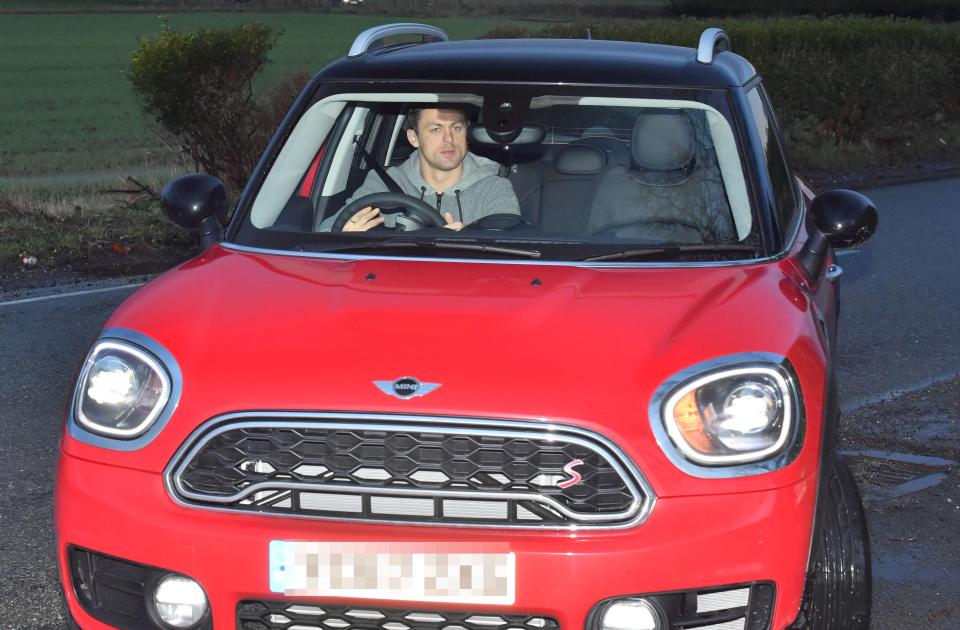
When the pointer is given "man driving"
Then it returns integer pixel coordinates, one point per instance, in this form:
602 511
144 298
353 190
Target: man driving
461 186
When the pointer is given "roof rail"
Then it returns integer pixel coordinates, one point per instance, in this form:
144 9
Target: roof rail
712 41
372 38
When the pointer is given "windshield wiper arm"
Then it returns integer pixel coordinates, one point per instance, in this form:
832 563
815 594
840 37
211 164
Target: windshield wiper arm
475 247
648 252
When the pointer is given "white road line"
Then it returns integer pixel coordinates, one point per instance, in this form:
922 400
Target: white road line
72 294
890 394
918 484
909 458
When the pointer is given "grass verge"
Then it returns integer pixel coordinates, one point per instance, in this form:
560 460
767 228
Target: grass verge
129 237
66 107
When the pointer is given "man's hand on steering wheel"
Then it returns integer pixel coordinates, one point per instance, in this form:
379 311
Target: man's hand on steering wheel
370 217
364 220
451 224
363 213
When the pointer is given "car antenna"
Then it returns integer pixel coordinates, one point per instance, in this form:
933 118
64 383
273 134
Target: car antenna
587 35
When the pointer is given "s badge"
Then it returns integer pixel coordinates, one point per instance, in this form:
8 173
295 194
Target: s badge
575 477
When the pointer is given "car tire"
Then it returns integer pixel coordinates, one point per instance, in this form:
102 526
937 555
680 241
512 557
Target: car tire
839 582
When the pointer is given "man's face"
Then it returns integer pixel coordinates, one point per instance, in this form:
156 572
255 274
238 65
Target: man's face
441 136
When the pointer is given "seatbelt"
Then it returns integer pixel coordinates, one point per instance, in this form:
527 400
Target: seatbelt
390 183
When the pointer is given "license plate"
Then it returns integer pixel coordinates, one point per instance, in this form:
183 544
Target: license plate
462 573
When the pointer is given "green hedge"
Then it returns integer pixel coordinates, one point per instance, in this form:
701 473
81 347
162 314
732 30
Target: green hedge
930 9
848 91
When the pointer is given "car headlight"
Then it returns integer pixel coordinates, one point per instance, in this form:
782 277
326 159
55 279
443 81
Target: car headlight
121 390
731 416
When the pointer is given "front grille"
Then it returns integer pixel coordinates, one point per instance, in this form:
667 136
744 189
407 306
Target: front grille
412 470
262 615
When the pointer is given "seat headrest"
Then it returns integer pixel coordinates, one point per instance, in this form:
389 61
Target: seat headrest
663 140
579 160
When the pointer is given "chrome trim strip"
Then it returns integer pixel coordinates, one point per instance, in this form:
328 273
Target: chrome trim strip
368 38
674 452
634 480
712 41
246 249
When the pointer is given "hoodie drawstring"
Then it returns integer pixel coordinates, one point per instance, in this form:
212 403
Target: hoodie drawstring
456 193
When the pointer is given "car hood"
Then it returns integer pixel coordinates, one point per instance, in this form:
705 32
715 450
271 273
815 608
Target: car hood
254 331
582 345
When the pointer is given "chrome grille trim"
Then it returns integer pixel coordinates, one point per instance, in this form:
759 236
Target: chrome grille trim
639 489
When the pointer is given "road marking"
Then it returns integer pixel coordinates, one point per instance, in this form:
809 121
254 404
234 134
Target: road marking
892 394
72 294
918 484
909 458
914 484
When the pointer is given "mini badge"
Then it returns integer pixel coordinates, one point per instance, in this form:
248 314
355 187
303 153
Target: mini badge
406 387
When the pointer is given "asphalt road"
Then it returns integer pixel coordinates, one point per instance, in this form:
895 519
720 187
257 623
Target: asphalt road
899 366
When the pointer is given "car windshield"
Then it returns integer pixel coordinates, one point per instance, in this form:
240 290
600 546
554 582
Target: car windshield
570 177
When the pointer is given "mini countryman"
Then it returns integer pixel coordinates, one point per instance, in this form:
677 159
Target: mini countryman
500 335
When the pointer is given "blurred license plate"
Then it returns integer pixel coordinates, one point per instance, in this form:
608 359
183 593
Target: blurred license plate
465 573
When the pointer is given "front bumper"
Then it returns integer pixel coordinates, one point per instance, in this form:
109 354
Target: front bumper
686 543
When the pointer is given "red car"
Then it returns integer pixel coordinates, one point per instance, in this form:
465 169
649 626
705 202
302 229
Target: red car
500 335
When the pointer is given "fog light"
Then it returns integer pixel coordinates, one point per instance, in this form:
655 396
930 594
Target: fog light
631 614
179 602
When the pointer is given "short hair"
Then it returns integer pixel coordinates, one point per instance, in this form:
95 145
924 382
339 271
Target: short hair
413 116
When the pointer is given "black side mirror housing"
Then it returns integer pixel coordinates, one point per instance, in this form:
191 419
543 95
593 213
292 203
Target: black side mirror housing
197 202
839 219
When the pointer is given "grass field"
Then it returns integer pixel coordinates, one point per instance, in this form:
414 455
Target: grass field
67 111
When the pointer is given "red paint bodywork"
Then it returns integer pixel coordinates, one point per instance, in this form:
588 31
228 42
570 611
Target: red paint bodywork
584 346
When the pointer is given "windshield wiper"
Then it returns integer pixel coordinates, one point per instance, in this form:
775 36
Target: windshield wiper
649 252
436 245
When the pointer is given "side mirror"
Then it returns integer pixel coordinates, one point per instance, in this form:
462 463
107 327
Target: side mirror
197 202
837 218
846 218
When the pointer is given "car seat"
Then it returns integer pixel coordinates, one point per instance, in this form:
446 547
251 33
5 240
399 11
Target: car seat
672 193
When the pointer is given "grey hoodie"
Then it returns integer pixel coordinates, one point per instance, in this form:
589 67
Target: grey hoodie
478 193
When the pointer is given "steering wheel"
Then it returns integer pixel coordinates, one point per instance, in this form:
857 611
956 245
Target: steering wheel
418 211
500 221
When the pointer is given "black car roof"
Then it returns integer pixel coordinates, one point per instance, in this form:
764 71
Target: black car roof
544 61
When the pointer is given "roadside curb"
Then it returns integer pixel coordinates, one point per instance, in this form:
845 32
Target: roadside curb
865 181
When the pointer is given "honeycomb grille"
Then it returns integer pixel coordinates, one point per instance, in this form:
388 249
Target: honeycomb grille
446 474
261 615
